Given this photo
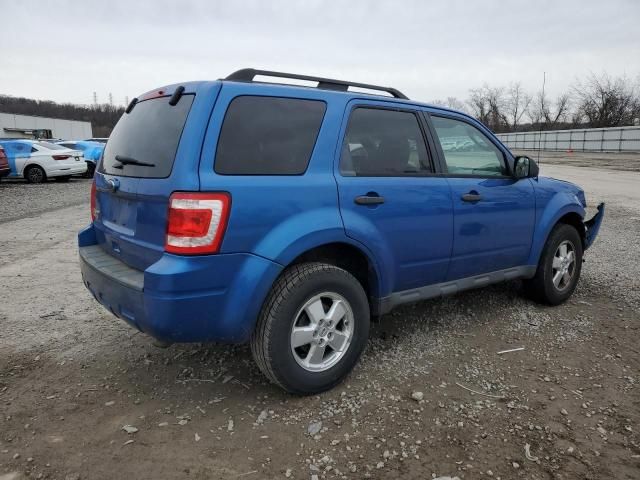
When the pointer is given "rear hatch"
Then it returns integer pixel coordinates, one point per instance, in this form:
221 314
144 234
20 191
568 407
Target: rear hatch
153 151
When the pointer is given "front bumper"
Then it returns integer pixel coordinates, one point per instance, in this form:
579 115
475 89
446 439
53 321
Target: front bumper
179 298
592 227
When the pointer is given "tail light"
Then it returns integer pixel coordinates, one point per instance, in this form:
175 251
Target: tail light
3 157
196 222
61 157
94 204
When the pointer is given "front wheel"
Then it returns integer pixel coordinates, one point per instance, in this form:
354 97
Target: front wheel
559 267
312 328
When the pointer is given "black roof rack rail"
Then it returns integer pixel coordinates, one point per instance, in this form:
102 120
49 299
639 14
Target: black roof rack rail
248 74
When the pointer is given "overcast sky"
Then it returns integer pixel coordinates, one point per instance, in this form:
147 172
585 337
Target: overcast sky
66 50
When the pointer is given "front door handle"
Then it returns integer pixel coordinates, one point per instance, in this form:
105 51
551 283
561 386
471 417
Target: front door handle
369 200
471 197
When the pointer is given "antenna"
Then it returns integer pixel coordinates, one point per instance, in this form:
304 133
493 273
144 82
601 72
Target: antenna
95 98
544 81
110 99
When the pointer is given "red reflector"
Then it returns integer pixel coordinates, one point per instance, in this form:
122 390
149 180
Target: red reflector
196 222
188 222
94 210
60 157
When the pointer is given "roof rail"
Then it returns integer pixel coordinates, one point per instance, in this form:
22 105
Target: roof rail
248 74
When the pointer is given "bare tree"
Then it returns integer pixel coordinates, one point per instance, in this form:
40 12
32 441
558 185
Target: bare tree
606 102
452 103
546 115
487 105
516 104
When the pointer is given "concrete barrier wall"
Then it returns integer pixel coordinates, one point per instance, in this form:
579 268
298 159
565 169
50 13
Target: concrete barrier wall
616 139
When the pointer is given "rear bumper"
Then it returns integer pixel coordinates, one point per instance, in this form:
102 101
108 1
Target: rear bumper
67 169
592 227
179 298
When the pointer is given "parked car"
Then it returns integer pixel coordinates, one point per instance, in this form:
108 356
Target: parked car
36 160
289 216
97 139
5 169
92 152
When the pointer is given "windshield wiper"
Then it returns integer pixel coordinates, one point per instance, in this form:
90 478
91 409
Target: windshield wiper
131 161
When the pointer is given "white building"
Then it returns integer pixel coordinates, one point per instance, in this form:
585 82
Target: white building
24 126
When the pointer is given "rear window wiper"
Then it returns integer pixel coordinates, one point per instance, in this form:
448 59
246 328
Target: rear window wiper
131 161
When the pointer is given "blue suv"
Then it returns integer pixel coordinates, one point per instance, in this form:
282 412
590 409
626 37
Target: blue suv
288 216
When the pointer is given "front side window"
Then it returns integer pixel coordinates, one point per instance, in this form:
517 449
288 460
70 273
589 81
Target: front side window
387 143
268 136
467 150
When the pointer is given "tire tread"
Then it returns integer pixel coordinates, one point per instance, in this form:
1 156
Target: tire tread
260 339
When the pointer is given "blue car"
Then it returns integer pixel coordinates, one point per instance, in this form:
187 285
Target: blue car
92 151
288 216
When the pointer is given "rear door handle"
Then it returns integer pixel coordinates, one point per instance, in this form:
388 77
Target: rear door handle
369 200
471 197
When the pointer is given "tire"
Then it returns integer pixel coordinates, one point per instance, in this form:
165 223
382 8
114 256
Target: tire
544 287
63 179
317 286
35 174
91 168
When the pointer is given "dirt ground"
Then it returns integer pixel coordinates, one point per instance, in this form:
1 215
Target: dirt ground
567 406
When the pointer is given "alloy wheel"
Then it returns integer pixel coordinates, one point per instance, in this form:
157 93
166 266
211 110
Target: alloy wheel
322 332
564 265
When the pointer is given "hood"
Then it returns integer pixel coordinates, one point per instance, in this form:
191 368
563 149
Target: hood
558 185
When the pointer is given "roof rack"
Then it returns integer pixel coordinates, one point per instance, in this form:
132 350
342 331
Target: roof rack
248 74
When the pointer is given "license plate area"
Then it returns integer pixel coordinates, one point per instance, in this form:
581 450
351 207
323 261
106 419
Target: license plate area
121 215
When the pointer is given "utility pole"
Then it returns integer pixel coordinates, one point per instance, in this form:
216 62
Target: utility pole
95 98
110 99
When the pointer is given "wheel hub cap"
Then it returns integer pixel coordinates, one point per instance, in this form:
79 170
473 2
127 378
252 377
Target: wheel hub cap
322 331
563 266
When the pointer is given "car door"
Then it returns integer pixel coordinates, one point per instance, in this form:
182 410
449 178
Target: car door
390 198
494 214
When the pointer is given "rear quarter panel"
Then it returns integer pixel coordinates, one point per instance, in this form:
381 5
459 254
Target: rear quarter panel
278 216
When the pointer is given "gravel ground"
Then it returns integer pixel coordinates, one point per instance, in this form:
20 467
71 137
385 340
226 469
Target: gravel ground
84 396
19 199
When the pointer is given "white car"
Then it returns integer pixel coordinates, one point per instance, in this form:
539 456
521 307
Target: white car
38 160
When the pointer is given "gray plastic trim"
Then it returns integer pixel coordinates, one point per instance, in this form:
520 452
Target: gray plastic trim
384 305
95 257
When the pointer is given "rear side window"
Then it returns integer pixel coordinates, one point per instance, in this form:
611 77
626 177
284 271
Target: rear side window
149 134
384 143
268 136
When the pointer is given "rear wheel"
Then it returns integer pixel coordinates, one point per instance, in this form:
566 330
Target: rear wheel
559 267
312 329
35 174
63 179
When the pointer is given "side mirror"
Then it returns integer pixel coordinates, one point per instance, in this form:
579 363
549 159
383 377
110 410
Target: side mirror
525 167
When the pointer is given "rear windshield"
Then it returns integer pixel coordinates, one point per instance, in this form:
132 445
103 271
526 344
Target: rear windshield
268 136
149 134
50 146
